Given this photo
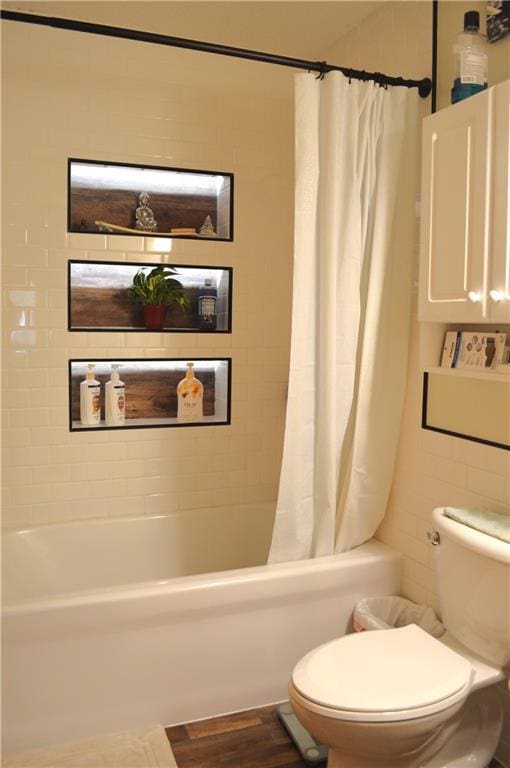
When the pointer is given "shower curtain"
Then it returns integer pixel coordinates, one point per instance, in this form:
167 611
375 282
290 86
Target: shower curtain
356 157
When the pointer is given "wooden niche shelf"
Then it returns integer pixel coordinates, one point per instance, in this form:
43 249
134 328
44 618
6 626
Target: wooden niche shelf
99 298
141 200
151 391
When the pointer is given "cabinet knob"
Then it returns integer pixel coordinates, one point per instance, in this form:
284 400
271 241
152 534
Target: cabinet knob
474 297
496 295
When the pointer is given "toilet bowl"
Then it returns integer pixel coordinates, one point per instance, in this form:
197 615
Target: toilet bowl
398 698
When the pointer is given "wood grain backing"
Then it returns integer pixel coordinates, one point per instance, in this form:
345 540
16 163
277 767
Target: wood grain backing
113 308
149 394
119 205
252 739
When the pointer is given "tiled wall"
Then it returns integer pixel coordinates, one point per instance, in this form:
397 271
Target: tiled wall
432 469
71 95
435 470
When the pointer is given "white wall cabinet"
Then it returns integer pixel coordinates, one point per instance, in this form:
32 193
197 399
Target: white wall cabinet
465 232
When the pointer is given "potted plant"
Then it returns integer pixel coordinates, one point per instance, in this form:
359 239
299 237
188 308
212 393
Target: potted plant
156 290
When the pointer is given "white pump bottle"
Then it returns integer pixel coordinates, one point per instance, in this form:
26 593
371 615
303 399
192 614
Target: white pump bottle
90 399
115 399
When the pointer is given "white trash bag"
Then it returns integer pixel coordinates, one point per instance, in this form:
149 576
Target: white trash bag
389 612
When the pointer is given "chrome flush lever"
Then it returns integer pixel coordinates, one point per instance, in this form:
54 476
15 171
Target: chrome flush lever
434 538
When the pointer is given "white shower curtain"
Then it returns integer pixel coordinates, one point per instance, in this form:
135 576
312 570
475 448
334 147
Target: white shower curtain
354 231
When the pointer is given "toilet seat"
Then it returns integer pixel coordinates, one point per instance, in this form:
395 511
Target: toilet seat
388 675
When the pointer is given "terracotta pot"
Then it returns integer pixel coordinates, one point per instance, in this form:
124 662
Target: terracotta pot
154 316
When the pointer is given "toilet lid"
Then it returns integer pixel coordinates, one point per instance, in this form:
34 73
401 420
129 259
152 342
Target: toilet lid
383 671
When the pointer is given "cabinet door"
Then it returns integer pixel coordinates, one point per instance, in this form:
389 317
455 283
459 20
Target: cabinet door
499 266
453 249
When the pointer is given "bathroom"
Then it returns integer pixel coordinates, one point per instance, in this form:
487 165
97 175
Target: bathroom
75 95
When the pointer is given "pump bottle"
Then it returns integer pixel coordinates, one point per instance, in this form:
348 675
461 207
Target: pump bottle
90 399
115 399
190 394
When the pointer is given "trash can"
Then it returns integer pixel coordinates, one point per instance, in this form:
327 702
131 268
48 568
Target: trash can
389 612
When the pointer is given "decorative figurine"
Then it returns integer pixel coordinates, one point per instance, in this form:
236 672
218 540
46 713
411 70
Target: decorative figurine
207 229
144 216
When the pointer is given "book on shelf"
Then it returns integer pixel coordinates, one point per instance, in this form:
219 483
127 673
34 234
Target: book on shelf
474 350
450 349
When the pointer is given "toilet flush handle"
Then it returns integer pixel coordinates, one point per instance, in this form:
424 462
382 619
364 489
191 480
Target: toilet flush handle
434 538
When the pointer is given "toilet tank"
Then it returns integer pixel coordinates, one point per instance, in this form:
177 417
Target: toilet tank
473 578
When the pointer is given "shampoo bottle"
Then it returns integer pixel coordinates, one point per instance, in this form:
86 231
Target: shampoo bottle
190 394
470 54
115 399
90 399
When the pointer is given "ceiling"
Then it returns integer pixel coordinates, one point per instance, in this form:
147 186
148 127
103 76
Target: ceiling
296 28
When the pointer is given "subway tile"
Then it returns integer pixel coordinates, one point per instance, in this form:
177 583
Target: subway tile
15 398
470 453
438 444
86 241
195 499
14 277
208 481
15 237
452 472
52 474
21 255
243 477
29 417
137 463
486 484
126 507
16 438
33 494
52 435
57 299
497 461
146 449
160 503
124 243
19 476
179 150
15 518
46 237
85 508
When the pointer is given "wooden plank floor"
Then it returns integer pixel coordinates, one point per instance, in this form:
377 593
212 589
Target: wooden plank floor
251 739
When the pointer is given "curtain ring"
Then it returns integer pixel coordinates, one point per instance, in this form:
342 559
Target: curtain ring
323 70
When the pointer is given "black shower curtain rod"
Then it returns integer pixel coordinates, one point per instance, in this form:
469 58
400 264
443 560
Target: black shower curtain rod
424 86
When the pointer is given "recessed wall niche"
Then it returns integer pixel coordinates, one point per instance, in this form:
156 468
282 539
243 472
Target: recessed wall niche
152 392
125 199
100 298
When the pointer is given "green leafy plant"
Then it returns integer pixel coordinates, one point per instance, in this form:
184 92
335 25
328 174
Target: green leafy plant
158 288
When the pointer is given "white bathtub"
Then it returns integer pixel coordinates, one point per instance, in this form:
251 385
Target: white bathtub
100 633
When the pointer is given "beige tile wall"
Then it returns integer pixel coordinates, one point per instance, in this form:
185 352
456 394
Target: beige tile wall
71 95
68 96
431 469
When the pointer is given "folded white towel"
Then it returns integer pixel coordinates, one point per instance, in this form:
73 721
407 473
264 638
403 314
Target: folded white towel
491 523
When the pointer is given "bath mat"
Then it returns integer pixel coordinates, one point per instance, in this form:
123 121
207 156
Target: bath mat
140 748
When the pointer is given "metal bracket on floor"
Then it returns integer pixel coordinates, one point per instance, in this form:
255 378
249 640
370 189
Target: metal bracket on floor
311 752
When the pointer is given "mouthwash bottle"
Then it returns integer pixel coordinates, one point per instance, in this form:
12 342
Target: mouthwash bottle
470 54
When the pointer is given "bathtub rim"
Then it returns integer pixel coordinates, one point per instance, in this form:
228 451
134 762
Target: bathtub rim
194 584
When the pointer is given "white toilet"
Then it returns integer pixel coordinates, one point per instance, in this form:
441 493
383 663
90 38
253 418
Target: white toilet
400 698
